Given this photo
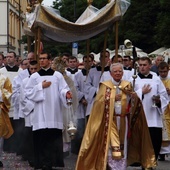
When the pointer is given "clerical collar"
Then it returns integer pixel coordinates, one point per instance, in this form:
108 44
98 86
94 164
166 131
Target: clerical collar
127 68
99 68
45 68
12 68
46 72
148 76
72 71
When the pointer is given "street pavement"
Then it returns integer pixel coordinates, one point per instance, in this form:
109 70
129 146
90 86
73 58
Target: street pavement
13 162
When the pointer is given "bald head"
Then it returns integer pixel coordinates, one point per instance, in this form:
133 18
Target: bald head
30 56
159 59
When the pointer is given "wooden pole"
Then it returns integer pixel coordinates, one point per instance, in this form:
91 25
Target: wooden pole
35 45
28 43
116 41
38 43
88 53
89 2
104 52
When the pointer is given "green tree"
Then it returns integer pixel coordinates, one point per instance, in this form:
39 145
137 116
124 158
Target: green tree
139 24
162 28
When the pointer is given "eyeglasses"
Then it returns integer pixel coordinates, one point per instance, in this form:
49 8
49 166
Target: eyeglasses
43 58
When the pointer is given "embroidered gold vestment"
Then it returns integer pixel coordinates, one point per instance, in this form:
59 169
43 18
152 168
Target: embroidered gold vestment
101 132
6 129
166 118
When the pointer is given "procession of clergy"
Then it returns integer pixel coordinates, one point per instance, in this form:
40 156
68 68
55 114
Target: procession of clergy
112 114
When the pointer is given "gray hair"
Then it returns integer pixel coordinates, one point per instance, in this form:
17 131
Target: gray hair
159 56
115 64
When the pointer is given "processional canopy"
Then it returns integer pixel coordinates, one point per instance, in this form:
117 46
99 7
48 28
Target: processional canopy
92 22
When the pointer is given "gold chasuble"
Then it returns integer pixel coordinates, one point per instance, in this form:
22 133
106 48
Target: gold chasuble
101 132
166 119
6 129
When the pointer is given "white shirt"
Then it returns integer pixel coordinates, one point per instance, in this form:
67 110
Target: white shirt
48 101
153 114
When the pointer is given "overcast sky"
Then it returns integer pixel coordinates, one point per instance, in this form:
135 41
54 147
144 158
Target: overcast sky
48 2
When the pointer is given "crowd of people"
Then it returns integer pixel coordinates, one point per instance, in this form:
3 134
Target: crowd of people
119 108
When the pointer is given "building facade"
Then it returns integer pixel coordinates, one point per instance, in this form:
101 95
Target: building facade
12 17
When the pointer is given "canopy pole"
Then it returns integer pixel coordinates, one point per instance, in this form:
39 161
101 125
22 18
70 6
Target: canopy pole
29 43
104 52
88 53
38 41
87 70
35 44
116 41
89 2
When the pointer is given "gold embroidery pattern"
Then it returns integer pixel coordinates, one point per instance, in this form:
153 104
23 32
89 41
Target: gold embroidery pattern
115 149
106 118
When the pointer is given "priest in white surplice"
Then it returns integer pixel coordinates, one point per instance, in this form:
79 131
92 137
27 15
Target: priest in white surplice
93 80
148 85
16 85
26 108
48 89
